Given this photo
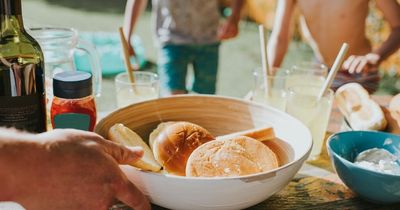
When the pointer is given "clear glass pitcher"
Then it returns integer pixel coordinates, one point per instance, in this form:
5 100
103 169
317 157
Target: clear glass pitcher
58 46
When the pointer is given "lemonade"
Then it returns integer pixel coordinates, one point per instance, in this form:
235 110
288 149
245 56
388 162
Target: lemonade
275 95
302 103
306 73
129 96
145 87
275 98
304 79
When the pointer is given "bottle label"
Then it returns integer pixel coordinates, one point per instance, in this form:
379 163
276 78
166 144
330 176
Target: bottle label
72 120
23 112
22 97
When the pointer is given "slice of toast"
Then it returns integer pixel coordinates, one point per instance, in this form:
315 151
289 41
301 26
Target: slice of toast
125 136
261 134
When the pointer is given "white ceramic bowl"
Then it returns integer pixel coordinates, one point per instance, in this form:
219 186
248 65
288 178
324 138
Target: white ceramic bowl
220 115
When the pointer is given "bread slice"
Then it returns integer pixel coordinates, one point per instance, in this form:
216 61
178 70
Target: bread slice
359 109
176 142
261 134
393 121
237 156
392 115
125 136
394 104
157 131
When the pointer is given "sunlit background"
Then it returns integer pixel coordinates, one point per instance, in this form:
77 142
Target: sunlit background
238 57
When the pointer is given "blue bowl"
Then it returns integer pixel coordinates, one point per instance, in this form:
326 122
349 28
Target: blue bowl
373 186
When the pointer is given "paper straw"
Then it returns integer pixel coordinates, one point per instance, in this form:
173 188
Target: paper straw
264 58
335 68
127 62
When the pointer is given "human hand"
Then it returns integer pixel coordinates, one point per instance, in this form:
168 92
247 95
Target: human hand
228 29
127 41
131 50
71 169
363 63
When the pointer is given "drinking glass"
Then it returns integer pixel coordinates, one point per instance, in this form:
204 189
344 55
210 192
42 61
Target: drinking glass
145 87
276 94
303 104
306 73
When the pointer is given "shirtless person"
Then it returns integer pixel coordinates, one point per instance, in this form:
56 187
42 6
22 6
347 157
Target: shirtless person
326 25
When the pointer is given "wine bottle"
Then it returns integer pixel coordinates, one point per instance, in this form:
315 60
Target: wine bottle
22 92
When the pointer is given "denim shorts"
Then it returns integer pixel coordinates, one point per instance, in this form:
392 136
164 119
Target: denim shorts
173 65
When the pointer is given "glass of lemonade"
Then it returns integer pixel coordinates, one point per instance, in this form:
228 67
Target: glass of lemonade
302 103
306 73
145 87
276 94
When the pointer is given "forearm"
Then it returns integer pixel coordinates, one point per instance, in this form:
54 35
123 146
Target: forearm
133 10
236 7
277 48
281 36
390 46
16 149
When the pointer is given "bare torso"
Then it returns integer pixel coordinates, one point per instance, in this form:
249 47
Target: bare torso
326 24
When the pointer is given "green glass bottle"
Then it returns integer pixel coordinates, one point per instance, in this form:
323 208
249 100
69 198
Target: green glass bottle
22 92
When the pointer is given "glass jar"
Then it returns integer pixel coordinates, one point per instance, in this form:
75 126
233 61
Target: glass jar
73 104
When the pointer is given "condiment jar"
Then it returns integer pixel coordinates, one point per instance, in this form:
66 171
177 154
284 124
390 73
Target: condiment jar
73 104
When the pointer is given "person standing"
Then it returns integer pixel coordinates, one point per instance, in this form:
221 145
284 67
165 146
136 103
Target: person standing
326 25
188 32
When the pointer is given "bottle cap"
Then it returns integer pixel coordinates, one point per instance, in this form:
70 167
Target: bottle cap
72 84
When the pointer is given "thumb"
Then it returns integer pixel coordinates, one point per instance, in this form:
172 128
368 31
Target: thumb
221 31
122 154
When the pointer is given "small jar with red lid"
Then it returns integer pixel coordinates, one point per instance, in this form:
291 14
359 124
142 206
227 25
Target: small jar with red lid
73 104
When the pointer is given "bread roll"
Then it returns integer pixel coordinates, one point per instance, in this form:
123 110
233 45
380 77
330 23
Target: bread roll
261 134
393 115
173 146
157 131
360 110
231 157
125 136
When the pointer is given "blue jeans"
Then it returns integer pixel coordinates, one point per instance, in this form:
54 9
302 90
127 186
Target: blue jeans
173 65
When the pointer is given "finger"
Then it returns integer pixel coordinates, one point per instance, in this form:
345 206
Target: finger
130 195
230 32
221 34
354 64
122 154
349 60
83 135
361 66
222 31
132 51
